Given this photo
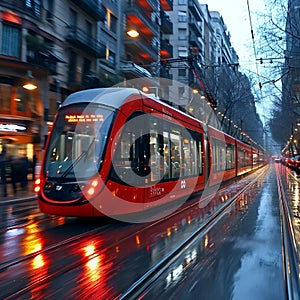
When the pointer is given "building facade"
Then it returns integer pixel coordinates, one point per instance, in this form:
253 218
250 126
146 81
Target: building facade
68 45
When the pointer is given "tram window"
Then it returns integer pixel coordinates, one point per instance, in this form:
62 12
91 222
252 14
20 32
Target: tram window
219 155
167 157
248 159
175 155
156 157
255 159
241 158
130 155
197 152
245 159
190 156
230 157
186 163
199 147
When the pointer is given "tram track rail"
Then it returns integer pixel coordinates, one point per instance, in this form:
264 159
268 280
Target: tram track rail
289 247
21 218
74 241
139 288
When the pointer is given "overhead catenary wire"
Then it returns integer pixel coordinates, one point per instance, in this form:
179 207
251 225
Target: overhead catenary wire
253 39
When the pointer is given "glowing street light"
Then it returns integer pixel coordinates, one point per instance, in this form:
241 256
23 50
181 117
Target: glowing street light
29 84
133 33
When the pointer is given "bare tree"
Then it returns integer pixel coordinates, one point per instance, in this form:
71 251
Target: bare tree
278 58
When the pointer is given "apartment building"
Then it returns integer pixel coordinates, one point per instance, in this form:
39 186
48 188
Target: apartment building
53 43
150 22
69 45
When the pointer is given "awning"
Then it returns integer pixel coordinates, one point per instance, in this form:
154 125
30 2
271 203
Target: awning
49 53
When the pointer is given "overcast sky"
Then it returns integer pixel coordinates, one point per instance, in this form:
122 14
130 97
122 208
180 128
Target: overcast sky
236 17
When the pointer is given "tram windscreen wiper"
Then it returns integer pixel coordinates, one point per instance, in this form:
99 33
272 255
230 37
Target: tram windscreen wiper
77 160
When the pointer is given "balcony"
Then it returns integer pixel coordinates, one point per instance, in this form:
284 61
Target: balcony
166 23
166 4
136 17
78 80
141 49
166 49
46 60
92 8
30 8
133 70
85 42
195 42
196 27
195 10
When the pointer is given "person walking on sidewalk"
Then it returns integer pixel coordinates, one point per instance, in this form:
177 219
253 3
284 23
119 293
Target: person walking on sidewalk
3 163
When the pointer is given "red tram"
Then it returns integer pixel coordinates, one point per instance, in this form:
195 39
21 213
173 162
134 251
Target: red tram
114 151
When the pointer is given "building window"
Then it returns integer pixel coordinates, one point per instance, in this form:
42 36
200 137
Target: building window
21 100
34 6
54 99
73 18
88 28
182 16
5 96
11 41
111 22
182 72
182 35
182 2
182 52
49 7
86 68
110 56
73 76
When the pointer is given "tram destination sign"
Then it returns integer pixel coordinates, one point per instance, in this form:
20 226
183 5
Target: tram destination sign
84 118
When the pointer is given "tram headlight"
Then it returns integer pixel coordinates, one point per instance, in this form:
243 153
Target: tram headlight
92 188
37 185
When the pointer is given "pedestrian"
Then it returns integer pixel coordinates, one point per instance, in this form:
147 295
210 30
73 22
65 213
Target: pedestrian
15 173
24 165
34 161
3 163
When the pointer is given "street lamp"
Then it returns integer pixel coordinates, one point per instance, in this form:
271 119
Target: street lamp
133 33
30 83
151 90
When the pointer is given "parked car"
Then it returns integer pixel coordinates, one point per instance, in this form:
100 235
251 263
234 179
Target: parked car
277 159
288 162
296 166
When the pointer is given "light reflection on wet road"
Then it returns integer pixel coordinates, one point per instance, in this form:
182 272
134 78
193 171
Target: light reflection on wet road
241 254
243 257
291 183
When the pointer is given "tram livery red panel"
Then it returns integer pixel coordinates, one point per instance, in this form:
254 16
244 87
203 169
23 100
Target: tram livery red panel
114 151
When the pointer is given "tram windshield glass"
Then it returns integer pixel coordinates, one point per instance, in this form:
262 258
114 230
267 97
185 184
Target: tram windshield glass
77 142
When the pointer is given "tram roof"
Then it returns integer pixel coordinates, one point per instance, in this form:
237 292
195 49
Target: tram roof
113 97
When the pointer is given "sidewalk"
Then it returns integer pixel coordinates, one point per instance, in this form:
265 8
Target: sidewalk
25 194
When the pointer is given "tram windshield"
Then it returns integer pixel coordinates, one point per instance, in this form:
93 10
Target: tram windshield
77 142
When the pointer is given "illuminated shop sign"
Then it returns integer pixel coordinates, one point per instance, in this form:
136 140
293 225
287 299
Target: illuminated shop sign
12 127
84 118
